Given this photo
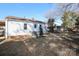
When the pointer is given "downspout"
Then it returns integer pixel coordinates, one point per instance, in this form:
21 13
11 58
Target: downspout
6 29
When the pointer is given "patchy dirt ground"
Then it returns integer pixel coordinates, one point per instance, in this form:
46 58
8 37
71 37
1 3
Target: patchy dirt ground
50 45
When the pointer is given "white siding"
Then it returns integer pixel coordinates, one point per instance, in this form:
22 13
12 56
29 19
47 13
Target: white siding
17 28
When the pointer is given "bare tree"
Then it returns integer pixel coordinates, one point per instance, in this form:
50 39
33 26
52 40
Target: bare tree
67 12
70 12
51 25
51 15
68 6
61 8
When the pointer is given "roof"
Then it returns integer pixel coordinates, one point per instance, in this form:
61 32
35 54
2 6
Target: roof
22 19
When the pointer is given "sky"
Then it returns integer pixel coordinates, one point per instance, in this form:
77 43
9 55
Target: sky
27 10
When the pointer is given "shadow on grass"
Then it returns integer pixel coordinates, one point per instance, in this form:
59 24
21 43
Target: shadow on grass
74 40
18 48
13 48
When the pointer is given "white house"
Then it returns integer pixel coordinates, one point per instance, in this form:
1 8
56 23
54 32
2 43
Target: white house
22 26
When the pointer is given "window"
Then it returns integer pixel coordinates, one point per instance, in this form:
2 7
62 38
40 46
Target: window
25 26
35 25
